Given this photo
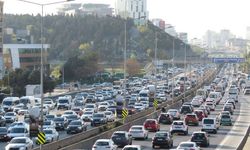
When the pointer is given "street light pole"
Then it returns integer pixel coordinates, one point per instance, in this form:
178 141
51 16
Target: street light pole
125 49
156 46
185 74
173 83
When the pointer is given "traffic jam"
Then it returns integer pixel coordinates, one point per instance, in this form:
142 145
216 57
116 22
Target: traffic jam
75 114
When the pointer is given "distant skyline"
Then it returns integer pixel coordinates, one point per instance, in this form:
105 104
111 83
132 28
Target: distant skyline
192 16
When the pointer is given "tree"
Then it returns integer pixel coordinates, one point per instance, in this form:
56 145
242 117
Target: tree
133 67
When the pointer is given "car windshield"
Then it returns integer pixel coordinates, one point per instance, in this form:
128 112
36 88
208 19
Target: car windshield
119 134
107 113
178 123
17 130
9 114
75 123
58 119
48 131
208 121
3 129
136 128
198 136
161 134
72 116
24 100
89 106
63 101
130 148
8 103
225 116
233 91
88 113
187 145
18 141
47 123
102 143
212 96
50 116
98 115
150 121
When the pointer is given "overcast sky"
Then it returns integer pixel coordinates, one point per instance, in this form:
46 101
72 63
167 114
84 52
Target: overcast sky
192 16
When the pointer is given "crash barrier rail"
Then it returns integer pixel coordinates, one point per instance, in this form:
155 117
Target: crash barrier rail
244 139
83 140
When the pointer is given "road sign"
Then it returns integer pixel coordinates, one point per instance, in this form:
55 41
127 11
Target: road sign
124 114
155 104
228 60
41 139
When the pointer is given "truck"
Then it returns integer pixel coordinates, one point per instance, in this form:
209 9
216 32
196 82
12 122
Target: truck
152 90
34 121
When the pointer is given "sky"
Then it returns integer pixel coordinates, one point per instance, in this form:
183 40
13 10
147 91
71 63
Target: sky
192 16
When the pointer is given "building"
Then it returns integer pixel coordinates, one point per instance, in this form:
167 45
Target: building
100 10
248 33
1 40
159 23
68 8
196 42
183 36
136 9
170 30
24 56
237 44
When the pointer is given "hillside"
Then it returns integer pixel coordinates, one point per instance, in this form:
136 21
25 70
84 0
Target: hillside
68 34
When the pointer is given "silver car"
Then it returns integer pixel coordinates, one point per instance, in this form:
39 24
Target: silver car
51 135
21 143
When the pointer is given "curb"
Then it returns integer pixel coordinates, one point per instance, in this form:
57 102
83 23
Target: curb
244 140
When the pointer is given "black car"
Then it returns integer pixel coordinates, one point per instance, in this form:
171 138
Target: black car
3 134
2 121
61 123
200 138
121 138
162 139
185 109
76 126
165 118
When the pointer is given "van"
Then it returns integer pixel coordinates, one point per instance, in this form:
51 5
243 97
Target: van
210 125
28 101
63 103
9 103
233 93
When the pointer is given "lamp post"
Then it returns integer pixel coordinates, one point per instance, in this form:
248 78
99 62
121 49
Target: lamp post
125 48
42 5
156 47
185 68
173 83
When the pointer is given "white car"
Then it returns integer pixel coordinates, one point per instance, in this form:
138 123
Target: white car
146 104
210 124
210 105
104 103
188 146
110 115
100 97
132 147
18 132
104 144
102 107
10 117
68 112
51 135
88 110
195 103
179 127
49 124
139 106
87 116
138 131
49 104
93 106
175 113
21 143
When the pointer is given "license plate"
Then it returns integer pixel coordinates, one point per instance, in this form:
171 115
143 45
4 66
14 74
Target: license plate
160 139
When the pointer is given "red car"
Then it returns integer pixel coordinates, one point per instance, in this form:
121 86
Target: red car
151 125
77 110
204 111
191 119
200 114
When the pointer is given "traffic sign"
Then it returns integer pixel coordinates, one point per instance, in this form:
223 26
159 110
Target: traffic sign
124 114
155 104
228 60
41 139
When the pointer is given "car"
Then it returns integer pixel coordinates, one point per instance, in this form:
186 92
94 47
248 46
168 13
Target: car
228 108
49 124
2 121
3 134
121 138
77 110
206 108
132 147
61 123
200 114
210 105
68 112
72 117
165 118
10 117
200 138
49 104
196 102
175 113
185 109
99 118
188 146
64 103
210 125
138 131
18 132
226 119
224 113
191 119
131 109
104 144
145 103
76 126
23 112
102 108
139 107
232 102
87 116
162 139
179 127
110 116
18 124
93 106
51 135
151 125
50 117
20 143
247 92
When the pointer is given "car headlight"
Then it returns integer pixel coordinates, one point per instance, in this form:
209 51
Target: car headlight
59 124
79 128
